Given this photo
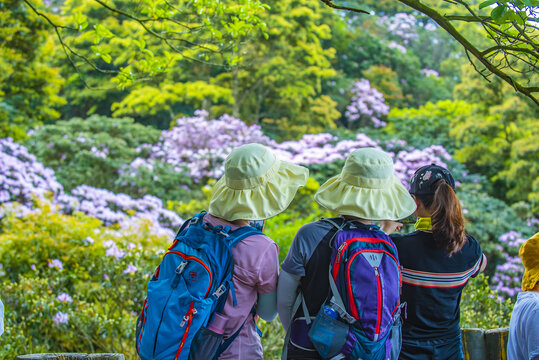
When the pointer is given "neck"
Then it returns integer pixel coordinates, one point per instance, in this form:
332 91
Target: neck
536 288
238 222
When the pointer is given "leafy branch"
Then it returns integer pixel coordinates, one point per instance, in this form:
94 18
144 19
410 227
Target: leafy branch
515 53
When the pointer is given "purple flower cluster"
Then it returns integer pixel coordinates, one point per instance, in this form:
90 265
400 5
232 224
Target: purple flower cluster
402 25
508 276
320 148
114 208
60 318
189 146
367 105
430 72
200 145
407 162
22 177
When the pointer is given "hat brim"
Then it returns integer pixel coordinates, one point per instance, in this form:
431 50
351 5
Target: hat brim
393 202
261 202
530 279
529 253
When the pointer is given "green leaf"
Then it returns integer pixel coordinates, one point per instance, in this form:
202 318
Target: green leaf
498 12
484 4
106 58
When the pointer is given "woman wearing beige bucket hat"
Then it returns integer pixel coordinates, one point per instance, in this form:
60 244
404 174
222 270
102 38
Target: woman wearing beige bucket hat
365 192
255 186
524 327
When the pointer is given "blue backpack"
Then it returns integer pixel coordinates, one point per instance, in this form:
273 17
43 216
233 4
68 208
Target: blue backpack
360 318
188 287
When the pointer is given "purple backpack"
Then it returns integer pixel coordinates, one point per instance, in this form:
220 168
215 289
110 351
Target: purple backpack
361 318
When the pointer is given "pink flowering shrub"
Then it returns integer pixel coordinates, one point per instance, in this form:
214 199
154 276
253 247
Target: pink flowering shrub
367 106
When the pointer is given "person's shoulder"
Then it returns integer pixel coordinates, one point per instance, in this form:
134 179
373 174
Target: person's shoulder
314 227
471 246
403 237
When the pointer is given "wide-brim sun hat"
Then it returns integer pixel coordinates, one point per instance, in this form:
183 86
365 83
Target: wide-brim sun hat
529 253
367 188
256 184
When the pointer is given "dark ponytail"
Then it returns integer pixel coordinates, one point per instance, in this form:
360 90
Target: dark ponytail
446 216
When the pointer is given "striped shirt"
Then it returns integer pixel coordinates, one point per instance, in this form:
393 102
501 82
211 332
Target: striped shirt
432 284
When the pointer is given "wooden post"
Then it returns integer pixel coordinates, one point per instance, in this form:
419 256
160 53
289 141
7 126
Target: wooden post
496 343
71 356
473 344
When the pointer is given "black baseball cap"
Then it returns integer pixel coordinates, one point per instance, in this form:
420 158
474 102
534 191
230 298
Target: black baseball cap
423 181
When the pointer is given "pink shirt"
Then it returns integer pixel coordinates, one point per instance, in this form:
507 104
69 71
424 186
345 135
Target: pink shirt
256 270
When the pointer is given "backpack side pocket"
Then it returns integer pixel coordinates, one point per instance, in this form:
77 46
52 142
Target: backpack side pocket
331 337
205 344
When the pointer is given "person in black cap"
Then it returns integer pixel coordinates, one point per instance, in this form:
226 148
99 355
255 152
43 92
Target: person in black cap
437 258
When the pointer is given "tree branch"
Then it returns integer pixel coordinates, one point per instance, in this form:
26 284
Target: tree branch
332 5
497 69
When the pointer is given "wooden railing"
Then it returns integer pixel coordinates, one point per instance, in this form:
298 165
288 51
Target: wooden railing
71 356
479 344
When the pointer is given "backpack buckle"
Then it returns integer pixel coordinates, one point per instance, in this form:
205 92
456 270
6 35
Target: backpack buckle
220 291
181 267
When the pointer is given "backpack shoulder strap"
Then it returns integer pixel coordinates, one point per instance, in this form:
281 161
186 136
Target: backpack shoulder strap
338 223
196 219
234 237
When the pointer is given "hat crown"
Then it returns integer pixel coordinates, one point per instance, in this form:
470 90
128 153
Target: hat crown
425 178
368 163
248 162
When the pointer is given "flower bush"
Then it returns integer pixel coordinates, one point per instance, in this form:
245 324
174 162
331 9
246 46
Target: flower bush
90 151
64 292
22 177
508 276
367 106
482 307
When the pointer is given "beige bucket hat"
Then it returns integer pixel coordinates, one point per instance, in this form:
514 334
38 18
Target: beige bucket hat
367 188
256 185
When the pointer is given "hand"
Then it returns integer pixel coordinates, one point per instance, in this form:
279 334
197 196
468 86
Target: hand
389 226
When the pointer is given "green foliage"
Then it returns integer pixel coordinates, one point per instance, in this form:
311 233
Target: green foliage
481 307
105 298
487 218
386 81
429 124
28 85
496 139
92 151
272 338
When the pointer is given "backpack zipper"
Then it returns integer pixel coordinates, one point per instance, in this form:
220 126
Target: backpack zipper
345 244
187 257
353 306
187 318
380 302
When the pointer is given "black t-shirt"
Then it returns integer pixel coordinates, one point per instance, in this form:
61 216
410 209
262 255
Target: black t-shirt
432 284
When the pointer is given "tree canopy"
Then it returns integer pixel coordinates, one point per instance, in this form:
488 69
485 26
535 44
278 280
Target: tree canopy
508 47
